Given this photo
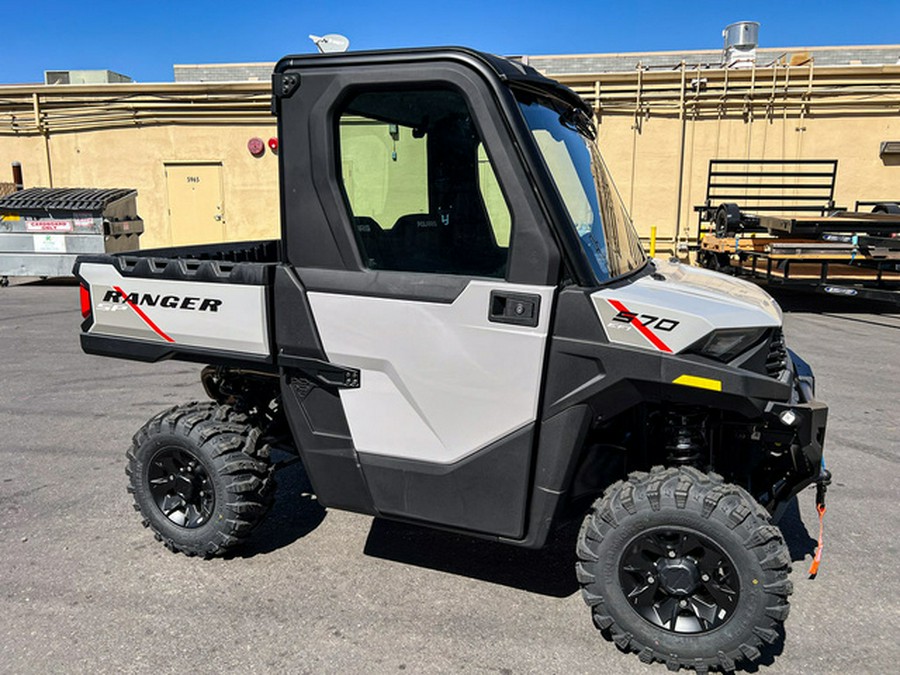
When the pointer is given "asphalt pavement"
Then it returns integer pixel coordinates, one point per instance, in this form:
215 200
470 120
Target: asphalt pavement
85 588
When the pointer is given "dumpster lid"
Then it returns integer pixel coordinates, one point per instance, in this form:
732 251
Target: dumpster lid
64 199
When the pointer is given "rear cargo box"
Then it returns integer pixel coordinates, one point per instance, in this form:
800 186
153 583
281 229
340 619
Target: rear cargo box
154 305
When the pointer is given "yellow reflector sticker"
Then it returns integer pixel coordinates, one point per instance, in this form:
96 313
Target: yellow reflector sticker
699 382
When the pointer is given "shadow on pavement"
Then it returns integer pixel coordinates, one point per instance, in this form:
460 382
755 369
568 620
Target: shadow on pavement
295 514
43 281
548 571
796 535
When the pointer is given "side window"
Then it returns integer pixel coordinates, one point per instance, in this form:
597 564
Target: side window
384 169
421 191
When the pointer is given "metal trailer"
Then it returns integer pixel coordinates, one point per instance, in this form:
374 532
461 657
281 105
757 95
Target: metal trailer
43 230
739 190
775 221
848 265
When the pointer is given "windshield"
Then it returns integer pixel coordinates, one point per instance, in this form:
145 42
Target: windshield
565 139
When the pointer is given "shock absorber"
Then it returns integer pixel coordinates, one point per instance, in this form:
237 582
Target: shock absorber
685 441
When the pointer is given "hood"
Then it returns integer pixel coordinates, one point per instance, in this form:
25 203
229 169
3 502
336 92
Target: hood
678 305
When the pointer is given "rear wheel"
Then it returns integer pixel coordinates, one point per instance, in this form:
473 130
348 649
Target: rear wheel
718 262
727 220
682 568
200 478
887 207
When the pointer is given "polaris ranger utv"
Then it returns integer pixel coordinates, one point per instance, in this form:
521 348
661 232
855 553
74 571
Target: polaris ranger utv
458 327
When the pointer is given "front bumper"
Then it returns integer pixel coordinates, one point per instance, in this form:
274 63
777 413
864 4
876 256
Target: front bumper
807 417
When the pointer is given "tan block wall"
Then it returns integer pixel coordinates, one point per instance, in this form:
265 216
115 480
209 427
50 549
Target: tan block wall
646 165
134 157
29 150
116 140
779 113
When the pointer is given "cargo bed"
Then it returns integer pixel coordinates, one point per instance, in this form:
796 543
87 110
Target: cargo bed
209 304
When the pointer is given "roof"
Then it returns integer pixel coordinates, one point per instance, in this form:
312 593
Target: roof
564 64
64 199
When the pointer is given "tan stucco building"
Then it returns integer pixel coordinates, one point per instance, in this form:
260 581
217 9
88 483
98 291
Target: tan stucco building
661 116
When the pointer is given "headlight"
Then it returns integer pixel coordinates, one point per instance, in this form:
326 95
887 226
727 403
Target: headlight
725 344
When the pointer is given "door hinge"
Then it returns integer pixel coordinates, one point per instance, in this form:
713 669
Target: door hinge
323 372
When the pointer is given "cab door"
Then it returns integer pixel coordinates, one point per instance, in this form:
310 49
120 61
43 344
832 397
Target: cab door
438 308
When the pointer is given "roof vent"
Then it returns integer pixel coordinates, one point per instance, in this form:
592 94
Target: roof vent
741 39
84 77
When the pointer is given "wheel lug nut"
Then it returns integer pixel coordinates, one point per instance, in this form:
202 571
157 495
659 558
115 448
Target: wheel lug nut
682 603
705 577
671 554
650 579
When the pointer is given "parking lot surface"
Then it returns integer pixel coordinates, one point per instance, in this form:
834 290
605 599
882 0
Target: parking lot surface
84 588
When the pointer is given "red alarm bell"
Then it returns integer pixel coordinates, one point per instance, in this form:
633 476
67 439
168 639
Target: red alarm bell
255 146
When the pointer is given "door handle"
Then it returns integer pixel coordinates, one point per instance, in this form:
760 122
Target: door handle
519 309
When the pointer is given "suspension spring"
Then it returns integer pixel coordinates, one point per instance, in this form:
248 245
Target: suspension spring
685 438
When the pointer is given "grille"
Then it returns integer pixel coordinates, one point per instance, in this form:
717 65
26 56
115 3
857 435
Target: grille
777 358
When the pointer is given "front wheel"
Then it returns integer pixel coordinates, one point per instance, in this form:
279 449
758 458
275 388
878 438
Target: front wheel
680 567
200 478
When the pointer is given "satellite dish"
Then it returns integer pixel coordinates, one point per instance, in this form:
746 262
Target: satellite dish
333 42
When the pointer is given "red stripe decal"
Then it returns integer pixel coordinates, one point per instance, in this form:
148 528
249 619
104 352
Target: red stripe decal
646 332
141 314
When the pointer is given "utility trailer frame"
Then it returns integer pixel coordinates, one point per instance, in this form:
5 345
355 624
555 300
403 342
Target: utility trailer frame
848 223
775 221
738 190
864 267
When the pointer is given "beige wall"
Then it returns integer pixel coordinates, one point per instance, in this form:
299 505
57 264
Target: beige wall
841 113
133 158
646 168
101 150
654 128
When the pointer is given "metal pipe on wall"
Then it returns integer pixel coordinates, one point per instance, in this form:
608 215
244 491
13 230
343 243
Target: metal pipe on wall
43 131
681 113
635 132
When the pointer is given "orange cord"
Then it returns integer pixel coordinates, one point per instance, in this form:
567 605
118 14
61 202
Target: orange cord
814 568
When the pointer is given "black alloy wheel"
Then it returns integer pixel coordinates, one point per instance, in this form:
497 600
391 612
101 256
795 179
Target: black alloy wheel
679 580
181 487
201 477
679 566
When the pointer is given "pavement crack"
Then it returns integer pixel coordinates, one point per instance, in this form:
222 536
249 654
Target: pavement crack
894 326
864 448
